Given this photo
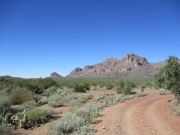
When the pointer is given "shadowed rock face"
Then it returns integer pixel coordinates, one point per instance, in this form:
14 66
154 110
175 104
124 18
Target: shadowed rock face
136 60
131 66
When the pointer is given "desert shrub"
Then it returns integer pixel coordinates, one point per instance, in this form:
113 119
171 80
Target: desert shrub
4 104
31 118
142 87
119 87
79 100
162 92
20 95
169 77
64 91
125 87
109 86
176 107
140 94
67 124
55 100
105 100
43 100
28 105
36 85
88 113
85 130
93 87
50 91
74 120
17 108
37 98
46 83
178 111
36 116
117 99
81 87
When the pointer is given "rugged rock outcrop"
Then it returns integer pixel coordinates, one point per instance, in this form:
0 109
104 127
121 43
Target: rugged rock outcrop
131 66
136 60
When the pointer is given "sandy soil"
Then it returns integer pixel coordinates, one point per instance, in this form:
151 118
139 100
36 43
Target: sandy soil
150 115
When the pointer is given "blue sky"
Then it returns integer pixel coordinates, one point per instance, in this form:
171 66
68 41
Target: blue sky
38 37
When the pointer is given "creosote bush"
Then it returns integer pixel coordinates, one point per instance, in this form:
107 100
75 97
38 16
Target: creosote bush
125 87
20 95
81 87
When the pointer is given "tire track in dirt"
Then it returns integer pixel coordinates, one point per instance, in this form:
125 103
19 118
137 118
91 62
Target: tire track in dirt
150 115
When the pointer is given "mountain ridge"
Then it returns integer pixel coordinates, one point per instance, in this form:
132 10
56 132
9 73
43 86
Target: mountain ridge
131 66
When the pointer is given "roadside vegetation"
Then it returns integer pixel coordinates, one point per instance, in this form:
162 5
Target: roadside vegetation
169 78
29 103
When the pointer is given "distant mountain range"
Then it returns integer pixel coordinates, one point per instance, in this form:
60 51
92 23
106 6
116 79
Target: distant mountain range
131 66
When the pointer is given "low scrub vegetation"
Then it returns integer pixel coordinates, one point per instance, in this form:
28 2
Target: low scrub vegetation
162 91
20 100
107 100
56 100
31 118
81 87
20 95
76 121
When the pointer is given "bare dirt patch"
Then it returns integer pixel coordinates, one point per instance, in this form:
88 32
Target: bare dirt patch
150 115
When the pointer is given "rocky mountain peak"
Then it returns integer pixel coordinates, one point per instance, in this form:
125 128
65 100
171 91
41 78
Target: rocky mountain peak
135 59
131 65
76 70
55 75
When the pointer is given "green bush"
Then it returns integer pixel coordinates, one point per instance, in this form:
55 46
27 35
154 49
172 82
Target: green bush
55 100
4 104
36 117
74 120
17 108
28 105
81 87
105 100
50 91
119 87
169 77
64 91
67 124
142 87
162 92
109 86
79 100
43 100
125 87
36 85
20 95
85 130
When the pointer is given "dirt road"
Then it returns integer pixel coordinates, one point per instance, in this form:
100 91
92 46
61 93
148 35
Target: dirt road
150 115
